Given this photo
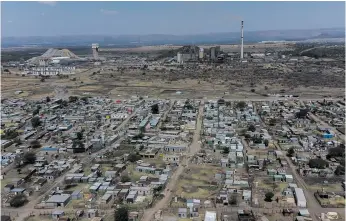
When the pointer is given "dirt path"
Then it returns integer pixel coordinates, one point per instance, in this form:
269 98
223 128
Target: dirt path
193 149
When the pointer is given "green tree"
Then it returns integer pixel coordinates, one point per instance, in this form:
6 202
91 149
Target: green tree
18 200
35 112
35 144
225 150
78 144
133 157
253 90
29 157
318 163
35 122
241 105
290 152
252 128
233 199
47 99
125 178
272 122
268 196
79 135
121 214
266 142
336 152
155 109
340 170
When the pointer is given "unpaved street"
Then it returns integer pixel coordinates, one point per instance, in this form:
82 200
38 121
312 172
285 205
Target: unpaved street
194 148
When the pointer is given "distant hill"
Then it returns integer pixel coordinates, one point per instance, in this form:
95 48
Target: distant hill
157 39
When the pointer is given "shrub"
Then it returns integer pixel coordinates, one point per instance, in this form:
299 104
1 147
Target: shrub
125 178
269 196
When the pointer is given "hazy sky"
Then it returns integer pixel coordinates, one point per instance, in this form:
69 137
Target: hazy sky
115 18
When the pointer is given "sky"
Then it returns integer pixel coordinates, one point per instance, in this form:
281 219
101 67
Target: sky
178 18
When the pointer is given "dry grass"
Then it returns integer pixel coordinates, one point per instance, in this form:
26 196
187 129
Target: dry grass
335 187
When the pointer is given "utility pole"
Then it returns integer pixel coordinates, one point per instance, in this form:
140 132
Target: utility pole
218 116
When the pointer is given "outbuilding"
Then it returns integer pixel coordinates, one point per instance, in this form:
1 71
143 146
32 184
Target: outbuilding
300 197
58 200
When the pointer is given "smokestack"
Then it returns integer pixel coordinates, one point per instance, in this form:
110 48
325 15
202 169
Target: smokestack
242 41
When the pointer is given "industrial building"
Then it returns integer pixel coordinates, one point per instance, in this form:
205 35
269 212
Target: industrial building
49 71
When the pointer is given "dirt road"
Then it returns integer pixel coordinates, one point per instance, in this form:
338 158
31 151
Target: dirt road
194 148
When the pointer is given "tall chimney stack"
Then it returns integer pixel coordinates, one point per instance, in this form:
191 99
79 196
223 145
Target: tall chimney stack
242 41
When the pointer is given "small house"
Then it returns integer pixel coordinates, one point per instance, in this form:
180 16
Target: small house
91 213
277 178
131 198
58 200
76 195
182 213
288 178
57 214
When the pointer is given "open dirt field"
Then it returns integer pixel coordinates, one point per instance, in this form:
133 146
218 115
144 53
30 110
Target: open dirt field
196 182
167 84
225 48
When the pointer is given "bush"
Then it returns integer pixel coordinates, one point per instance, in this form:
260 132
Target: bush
253 90
318 163
257 140
269 196
10 134
72 99
18 200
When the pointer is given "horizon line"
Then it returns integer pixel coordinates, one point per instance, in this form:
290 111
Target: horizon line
70 35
